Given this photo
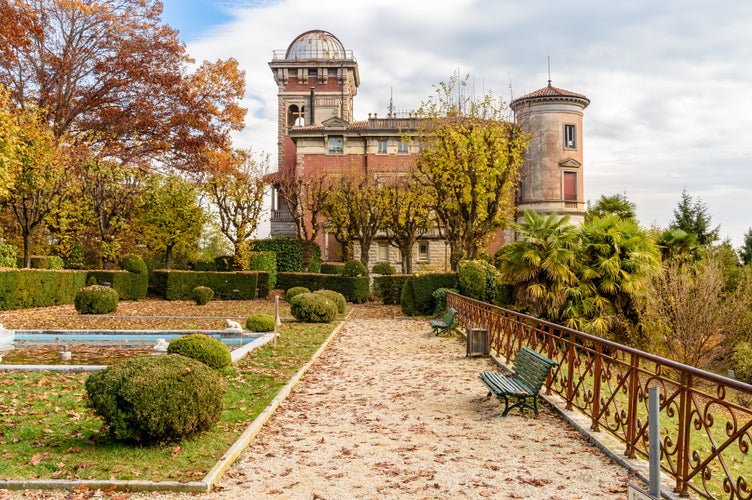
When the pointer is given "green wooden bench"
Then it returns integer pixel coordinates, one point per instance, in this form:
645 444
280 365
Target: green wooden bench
530 371
445 324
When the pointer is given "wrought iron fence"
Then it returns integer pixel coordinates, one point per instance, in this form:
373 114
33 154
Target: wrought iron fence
706 419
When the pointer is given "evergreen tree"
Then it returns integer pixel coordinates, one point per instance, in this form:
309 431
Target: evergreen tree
745 252
693 217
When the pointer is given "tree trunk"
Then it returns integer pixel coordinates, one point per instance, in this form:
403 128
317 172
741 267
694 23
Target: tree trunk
27 248
168 257
364 254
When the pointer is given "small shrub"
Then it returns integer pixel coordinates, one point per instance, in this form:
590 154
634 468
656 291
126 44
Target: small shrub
335 297
742 358
407 299
96 299
8 254
202 295
440 296
153 399
259 322
354 268
296 290
313 308
133 264
384 269
210 351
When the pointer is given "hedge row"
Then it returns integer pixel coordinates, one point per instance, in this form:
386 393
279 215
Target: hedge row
417 298
240 285
389 287
24 288
355 289
289 252
129 286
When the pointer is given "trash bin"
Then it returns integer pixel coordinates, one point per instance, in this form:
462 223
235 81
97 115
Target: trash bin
477 341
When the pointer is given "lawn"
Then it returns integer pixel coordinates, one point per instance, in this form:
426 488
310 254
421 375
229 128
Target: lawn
48 432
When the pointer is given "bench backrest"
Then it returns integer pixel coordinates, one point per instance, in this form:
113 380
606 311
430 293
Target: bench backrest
532 368
449 316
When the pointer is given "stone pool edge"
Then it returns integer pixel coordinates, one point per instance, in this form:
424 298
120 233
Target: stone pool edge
207 484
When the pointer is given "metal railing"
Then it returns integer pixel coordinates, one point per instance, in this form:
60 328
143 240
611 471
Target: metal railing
706 419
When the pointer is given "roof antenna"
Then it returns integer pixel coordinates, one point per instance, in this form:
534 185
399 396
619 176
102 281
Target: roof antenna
549 71
391 102
511 93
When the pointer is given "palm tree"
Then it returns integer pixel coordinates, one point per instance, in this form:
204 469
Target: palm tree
615 264
541 265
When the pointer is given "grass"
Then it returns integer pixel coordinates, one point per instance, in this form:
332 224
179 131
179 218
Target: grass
48 432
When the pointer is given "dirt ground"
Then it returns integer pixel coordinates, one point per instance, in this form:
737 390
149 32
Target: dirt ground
391 411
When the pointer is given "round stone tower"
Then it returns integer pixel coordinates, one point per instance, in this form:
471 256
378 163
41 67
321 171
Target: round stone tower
552 172
316 80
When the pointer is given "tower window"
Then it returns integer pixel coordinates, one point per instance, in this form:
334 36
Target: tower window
382 146
570 137
403 147
336 143
570 186
312 73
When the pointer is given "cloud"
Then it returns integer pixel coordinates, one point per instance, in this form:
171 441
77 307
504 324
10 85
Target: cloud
668 81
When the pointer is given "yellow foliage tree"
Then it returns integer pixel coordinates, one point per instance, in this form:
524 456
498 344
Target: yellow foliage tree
470 163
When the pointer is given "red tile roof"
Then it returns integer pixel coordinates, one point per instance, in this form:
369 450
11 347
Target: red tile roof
548 92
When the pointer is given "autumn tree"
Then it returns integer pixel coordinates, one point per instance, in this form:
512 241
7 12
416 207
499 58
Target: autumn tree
170 214
357 202
470 163
111 192
407 216
39 175
692 316
236 188
306 196
112 75
9 142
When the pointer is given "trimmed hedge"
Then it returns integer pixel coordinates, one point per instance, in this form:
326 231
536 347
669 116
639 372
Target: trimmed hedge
133 264
335 297
154 399
202 265
210 351
179 285
96 299
417 292
355 289
332 267
289 252
202 295
389 287
313 308
128 285
354 268
383 268
265 261
25 288
259 322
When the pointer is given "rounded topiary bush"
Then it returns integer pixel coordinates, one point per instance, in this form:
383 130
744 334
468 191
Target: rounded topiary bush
152 399
313 308
210 351
96 299
354 268
202 295
133 264
383 268
260 322
335 297
296 290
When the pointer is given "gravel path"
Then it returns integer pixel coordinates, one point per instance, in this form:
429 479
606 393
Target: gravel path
390 411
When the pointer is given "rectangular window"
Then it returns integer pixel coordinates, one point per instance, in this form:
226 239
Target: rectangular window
382 147
383 252
336 143
570 137
570 186
423 251
275 199
403 147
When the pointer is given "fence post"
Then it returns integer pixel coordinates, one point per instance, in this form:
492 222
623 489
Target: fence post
633 387
682 445
570 372
595 425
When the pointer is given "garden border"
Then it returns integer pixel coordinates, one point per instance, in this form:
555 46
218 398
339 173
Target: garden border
207 484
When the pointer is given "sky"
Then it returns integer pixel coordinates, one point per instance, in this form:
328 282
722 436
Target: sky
670 82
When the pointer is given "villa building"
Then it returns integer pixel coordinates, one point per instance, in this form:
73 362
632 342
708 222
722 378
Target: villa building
317 81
